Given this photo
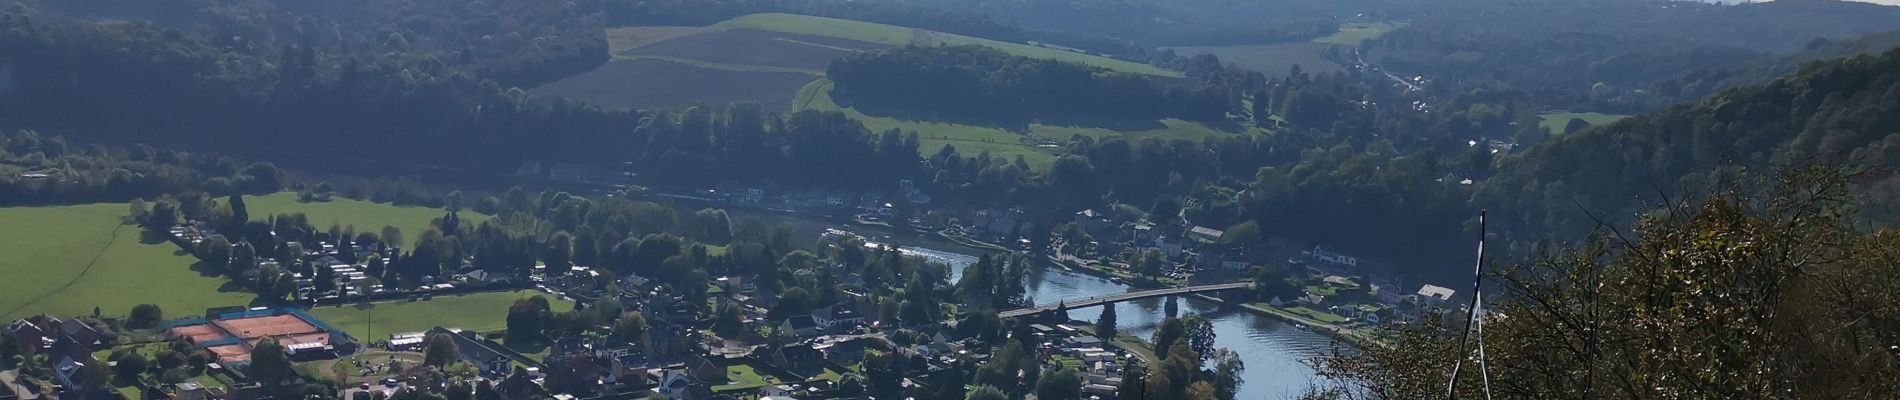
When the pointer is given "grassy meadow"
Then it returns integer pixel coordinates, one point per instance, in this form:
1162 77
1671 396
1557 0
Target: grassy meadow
1351 33
1038 146
1555 121
366 216
65 260
901 36
482 312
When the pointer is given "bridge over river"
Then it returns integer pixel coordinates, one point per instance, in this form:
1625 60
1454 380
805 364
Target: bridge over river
1121 297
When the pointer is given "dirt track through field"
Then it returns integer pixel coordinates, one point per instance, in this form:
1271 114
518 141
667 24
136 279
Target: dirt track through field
112 238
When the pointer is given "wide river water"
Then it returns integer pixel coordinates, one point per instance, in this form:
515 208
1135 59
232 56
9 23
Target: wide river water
1274 352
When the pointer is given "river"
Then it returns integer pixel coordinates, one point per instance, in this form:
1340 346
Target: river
1274 352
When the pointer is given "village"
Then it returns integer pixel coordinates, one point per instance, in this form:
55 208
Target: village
601 334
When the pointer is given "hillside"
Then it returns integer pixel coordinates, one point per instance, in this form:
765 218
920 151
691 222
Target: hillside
1846 110
1702 83
892 35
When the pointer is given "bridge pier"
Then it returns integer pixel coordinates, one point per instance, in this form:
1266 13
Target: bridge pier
1173 307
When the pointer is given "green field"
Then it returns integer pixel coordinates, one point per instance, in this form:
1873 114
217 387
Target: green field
1273 60
620 40
1351 33
723 66
1038 147
65 260
744 377
901 36
968 139
482 312
366 216
1555 121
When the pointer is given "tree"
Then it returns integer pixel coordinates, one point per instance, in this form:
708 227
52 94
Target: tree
1574 125
1062 384
986 392
559 254
243 258
1241 233
1226 377
1200 336
130 366
94 375
631 327
439 351
1149 263
1170 331
527 317
392 235
145 316
216 251
727 320
270 364
1105 325
452 201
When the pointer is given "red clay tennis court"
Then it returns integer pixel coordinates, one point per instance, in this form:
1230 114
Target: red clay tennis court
232 353
257 327
199 333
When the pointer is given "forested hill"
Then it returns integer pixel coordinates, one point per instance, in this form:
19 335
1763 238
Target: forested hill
515 43
1843 111
1699 83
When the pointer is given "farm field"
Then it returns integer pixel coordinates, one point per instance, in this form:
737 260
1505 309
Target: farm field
1273 60
65 260
659 84
1038 146
755 47
1351 33
483 312
893 35
366 216
1555 121
622 39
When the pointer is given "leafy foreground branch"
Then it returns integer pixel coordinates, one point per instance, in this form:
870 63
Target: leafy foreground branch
1748 294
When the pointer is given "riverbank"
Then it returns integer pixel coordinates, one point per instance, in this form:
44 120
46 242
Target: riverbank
1357 337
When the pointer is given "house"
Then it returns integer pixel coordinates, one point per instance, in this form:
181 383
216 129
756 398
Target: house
837 318
703 369
801 360
30 334
799 326
1169 248
1435 295
80 332
572 374
1205 233
847 352
1093 222
476 351
678 384
483 276
66 370
1321 254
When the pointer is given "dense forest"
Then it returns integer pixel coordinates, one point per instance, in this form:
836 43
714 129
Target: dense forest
1843 112
1610 55
981 83
516 43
